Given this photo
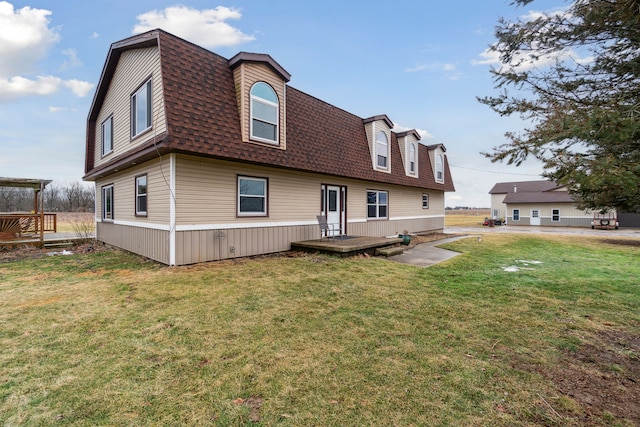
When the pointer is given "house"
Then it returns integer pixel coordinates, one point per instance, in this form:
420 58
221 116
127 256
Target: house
196 157
537 203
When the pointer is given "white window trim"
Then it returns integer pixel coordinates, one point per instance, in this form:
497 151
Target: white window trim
513 215
146 195
552 215
107 189
425 196
265 212
439 168
386 156
377 204
102 127
253 98
412 162
146 86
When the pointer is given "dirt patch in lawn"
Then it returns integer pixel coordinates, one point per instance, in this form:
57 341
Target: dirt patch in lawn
623 242
21 252
602 377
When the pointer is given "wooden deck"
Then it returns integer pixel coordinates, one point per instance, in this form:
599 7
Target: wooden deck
18 228
346 245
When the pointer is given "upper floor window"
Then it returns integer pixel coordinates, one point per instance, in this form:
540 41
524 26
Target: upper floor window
264 113
412 158
439 168
141 195
141 109
382 150
252 196
107 136
377 204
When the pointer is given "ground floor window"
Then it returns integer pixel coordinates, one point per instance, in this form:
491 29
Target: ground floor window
141 195
377 204
107 202
252 196
516 214
425 201
555 215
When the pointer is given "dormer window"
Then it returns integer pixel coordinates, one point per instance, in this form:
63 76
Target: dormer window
412 158
264 113
382 150
439 168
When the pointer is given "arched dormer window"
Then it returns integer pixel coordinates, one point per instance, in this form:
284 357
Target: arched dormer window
382 150
264 113
412 158
439 168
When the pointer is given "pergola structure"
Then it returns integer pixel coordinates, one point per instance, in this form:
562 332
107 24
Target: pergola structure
20 227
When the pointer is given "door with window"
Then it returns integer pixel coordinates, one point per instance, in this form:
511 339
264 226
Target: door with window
333 207
535 217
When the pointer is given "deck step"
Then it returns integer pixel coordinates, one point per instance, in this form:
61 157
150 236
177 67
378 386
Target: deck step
58 245
390 251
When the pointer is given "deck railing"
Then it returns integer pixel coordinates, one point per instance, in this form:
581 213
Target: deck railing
16 225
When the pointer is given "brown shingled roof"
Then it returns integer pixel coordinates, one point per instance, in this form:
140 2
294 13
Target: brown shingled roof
203 119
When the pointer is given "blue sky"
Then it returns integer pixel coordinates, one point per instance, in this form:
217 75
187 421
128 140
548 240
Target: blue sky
420 63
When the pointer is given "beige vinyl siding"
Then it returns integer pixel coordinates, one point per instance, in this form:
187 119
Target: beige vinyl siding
245 76
133 69
208 229
158 194
206 193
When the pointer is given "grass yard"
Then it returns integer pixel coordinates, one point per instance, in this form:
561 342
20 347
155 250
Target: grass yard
465 217
519 330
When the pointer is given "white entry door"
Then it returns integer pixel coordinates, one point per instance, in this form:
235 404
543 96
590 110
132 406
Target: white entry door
535 217
334 208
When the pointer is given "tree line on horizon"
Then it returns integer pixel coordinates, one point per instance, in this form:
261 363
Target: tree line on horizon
71 197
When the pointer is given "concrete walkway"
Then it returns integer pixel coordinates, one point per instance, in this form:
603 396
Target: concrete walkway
426 254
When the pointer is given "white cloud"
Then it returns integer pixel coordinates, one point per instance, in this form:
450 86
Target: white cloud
72 59
94 35
78 87
25 39
16 87
423 133
205 27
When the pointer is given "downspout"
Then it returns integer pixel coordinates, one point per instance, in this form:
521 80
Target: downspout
172 209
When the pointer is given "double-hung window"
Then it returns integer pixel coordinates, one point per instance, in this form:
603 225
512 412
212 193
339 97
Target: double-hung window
412 158
107 136
382 150
377 204
141 195
555 215
264 113
107 202
252 196
141 109
425 201
439 168
516 214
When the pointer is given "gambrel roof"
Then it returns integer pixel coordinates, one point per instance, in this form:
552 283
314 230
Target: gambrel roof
203 119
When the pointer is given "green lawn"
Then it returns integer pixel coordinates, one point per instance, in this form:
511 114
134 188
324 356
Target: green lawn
110 339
